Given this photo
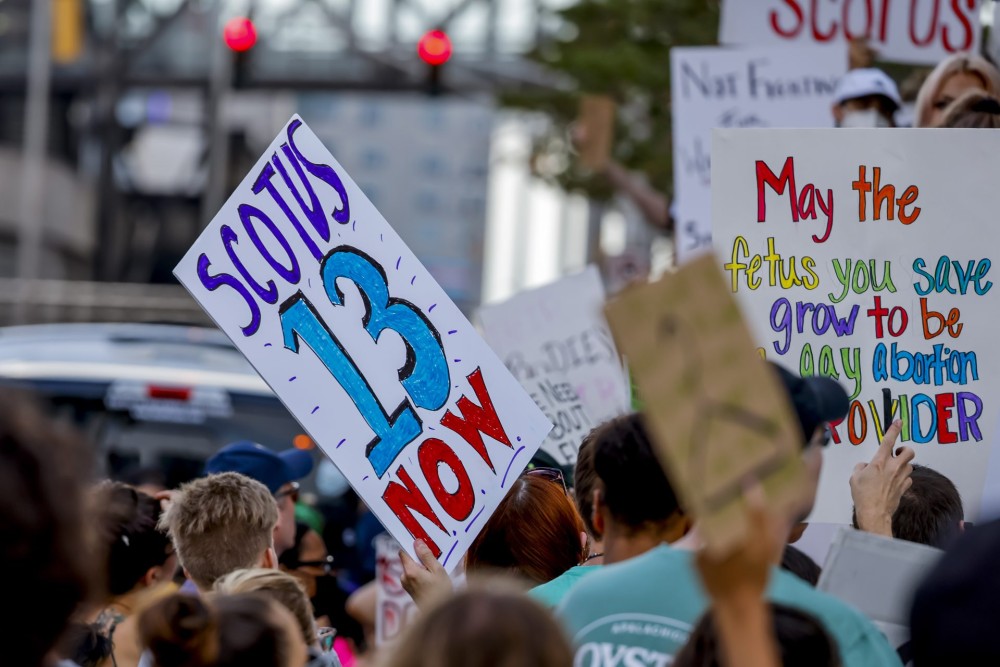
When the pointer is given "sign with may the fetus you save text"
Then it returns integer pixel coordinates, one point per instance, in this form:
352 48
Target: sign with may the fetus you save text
363 346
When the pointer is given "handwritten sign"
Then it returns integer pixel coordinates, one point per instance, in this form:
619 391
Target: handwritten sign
904 31
394 607
864 255
752 87
718 414
363 346
555 341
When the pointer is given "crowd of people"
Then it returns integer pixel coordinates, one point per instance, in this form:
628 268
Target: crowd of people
595 566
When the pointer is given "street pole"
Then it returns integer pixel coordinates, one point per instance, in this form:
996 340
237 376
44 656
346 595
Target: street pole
36 122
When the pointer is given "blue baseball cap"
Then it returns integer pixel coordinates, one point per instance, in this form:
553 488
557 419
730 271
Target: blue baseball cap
272 469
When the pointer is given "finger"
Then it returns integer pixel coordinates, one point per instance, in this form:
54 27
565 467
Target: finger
884 452
859 467
426 556
410 566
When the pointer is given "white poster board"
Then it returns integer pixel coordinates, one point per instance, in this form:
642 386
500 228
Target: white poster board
364 348
753 87
878 576
904 303
555 341
393 606
906 31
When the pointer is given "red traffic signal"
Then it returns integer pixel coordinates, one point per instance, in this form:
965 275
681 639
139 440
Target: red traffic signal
240 34
434 48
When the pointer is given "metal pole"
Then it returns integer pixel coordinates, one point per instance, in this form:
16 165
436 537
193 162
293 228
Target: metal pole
221 75
36 123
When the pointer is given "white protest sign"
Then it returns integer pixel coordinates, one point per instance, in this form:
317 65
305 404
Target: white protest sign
364 348
877 575
754 87
865 255
555 341
906 31
393 606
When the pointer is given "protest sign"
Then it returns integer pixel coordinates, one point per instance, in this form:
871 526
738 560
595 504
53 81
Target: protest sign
718 414
364 348
393 606
864 255
555 341
753 87
921 33
596 130
877 575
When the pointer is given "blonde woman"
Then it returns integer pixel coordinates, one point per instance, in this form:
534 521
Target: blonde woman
952 77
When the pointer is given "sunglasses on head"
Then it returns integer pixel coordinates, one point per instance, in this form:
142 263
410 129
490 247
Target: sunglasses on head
550 475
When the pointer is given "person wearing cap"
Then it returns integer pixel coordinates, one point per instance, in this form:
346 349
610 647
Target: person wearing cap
278 471
646 599
866 97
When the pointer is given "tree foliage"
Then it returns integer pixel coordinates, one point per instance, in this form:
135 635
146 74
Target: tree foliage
619 48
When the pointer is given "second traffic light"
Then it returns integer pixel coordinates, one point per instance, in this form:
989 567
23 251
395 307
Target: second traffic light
434 48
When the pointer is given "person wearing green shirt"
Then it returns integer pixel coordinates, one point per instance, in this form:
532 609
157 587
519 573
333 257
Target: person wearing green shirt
640 608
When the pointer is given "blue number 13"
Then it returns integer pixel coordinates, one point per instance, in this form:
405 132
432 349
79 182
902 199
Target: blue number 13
424 375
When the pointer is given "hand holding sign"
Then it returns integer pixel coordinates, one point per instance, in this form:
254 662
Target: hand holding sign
878 486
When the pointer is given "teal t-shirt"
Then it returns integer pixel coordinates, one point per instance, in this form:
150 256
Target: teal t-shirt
641 611
552 593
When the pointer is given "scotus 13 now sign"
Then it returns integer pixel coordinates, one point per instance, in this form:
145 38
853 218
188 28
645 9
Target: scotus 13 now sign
364 348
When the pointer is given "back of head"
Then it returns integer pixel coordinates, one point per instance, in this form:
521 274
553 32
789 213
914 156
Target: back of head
630 474
930 511
483 627
226 631
279 586
955 615
802 642
130 535
584 482
801 565
534 533
219 524
43 547
973 110
959 63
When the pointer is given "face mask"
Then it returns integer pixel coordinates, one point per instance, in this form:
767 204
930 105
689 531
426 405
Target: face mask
866 118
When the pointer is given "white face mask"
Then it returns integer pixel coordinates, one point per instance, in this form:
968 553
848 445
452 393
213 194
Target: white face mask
866 118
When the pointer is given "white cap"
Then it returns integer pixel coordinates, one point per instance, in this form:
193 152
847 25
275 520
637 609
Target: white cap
863 82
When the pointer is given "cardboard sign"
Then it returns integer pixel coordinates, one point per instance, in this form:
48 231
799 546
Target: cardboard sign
363 346
597 127
393 606
877 575
921 33
555 341
718 414
752 87
864 255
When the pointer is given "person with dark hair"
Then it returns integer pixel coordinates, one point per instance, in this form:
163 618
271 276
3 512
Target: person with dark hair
955 614
585 477
44 549
929 512
801 565
485 626
227 631
140 565
645 600
801 640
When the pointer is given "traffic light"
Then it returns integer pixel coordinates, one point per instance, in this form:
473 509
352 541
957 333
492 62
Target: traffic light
240 34
434 48
67 31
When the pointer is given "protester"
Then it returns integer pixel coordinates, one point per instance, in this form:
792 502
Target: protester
929 510
656 581
975 109
586 482
954 76
866 97
226 631
140 565
45 550
878 486
482 627
278 472
219 524
799 564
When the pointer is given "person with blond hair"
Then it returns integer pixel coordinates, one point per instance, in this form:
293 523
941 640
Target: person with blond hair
953 77
975 109
219 524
